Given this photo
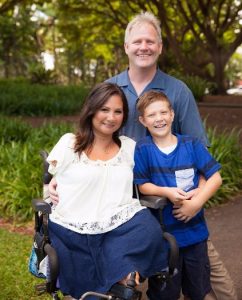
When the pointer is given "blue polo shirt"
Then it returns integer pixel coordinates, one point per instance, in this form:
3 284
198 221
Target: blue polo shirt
180 168
187 119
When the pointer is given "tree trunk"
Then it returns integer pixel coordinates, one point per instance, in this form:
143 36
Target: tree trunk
219 76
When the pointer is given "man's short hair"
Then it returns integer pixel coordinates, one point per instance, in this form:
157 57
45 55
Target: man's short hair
143 17
149 97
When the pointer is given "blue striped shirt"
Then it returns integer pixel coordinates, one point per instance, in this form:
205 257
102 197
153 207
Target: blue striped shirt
181 168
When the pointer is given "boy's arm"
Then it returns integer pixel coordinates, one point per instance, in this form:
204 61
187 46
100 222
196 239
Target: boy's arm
174 194
190 208
201 185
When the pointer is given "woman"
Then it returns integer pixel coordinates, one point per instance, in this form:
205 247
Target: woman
101 234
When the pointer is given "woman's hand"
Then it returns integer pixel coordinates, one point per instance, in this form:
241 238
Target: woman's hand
52 191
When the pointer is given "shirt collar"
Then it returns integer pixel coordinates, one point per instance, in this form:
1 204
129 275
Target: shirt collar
157 82
123 79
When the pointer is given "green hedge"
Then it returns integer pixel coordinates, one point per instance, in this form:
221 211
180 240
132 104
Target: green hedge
226 149
19 97
196 84
21 165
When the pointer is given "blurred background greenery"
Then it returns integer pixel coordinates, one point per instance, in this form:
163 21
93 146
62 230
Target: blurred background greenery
72 42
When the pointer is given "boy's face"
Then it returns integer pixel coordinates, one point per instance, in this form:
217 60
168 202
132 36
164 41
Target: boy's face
158 118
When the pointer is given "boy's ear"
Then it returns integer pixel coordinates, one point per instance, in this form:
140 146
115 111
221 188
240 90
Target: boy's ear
141 119
173 114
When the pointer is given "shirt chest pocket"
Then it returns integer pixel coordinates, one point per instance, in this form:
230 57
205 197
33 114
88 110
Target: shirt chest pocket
184 179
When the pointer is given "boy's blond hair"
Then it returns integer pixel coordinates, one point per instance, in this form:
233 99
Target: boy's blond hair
149 97
142 18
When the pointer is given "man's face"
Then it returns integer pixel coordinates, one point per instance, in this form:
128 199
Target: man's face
143 46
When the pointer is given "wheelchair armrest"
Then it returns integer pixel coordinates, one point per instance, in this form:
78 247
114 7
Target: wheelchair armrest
154 202
41 206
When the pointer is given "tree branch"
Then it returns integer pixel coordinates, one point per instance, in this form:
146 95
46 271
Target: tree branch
9 4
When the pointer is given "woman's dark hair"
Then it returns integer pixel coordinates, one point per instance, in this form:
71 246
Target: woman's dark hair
94 101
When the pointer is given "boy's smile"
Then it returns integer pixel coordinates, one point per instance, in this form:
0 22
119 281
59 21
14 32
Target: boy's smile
158 118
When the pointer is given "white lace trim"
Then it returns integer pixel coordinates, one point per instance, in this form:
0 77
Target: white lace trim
99 226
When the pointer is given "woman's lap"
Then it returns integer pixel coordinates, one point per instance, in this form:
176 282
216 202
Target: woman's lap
96 262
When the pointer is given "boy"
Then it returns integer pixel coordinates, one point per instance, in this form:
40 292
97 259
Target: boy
170 165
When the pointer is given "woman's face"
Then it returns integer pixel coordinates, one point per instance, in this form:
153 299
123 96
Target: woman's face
109 117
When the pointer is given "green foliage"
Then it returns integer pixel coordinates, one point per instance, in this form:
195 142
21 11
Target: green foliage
18 45
13 130
234 69
22 98
38 74
21 172
227 151
196 84
16 282
86 37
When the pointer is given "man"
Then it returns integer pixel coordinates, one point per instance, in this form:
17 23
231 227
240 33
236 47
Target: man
143 45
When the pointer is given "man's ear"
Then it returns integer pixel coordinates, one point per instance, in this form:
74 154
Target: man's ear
141 119
161 47
125 47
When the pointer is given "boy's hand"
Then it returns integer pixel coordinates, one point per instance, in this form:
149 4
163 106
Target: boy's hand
52 191
176 195
187 210
192 193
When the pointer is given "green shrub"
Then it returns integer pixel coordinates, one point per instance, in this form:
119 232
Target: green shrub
13 130
38 74
226 149
196 84
22 98
21 169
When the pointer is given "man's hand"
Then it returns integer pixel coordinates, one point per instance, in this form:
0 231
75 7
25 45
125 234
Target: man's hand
52 191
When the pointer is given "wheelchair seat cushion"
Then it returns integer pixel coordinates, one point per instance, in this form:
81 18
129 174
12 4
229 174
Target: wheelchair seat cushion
96 262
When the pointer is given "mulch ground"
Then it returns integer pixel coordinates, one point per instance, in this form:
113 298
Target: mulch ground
26 229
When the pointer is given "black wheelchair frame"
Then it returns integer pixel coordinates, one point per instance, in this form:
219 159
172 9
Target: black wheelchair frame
43 248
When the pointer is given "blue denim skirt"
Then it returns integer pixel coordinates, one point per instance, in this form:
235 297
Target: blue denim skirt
94 262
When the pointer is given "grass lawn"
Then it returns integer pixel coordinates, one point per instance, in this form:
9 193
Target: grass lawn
16 283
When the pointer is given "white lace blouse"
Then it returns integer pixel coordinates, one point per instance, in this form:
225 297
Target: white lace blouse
94 196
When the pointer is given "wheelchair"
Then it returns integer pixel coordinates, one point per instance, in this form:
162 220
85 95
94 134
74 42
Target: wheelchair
43 248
